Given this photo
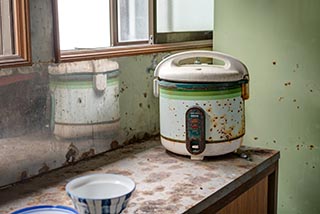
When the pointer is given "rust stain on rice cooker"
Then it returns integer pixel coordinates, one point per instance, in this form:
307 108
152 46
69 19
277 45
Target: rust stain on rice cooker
219 91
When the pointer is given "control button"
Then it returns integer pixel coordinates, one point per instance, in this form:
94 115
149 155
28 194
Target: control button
195 146
194 121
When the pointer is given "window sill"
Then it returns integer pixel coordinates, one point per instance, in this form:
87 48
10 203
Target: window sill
14 61
69 56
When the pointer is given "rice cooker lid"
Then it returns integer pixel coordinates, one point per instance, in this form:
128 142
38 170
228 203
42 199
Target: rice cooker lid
171 68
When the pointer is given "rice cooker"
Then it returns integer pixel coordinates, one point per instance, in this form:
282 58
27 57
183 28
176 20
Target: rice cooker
201 105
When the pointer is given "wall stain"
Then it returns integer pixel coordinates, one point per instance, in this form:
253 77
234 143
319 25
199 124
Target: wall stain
287 83
72 154
44 168
298 147
114 144
24 175
87 154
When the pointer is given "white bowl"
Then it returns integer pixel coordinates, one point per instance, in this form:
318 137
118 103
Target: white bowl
100 193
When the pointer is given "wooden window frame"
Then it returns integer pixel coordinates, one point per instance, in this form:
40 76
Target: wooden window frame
21 51
119 49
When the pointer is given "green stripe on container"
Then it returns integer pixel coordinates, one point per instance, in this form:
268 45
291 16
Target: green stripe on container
216 97
79 84
199 92
199 95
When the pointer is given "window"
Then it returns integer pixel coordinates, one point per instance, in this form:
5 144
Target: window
183 20
14 33
87 29
132 21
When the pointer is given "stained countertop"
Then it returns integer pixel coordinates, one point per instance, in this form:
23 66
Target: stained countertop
165 182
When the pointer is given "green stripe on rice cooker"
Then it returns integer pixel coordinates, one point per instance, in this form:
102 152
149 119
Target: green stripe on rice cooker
199 94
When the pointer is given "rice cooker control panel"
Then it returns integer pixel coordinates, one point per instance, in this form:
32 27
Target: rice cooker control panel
195 130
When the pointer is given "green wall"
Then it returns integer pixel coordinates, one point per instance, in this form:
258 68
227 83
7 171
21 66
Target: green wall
279 41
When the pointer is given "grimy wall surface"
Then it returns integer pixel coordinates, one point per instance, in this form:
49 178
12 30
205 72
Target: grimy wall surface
279 41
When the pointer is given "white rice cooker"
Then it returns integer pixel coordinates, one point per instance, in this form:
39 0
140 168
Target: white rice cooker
201 105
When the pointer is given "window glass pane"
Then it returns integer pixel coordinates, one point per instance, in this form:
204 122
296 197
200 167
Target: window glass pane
84 24
6 34
133 20
184 15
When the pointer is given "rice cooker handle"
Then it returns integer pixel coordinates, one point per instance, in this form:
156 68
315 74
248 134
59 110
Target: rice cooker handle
231 63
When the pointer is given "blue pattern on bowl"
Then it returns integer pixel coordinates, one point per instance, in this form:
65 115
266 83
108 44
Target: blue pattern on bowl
101 205
107 206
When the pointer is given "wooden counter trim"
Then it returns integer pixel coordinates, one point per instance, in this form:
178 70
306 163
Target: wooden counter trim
269 169
273 190
252 201
269 172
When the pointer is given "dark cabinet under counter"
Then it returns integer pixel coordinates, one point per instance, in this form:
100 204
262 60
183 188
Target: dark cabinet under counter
166 182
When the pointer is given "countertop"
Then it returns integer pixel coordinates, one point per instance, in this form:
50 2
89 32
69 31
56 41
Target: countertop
165 182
